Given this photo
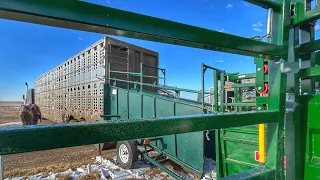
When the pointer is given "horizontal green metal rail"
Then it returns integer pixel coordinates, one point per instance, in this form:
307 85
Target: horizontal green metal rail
240 85
96 18
43 137
309 72
309 47
261 173
239 104
153 67
241 76
267 4
159 86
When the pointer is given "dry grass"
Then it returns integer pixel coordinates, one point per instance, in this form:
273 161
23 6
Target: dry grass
91 176
65 177
55 167
153 171
52 168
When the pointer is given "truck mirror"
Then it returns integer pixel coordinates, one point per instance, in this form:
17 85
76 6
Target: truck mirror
23 97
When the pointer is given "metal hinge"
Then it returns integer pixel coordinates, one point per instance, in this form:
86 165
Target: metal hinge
290 102
288 67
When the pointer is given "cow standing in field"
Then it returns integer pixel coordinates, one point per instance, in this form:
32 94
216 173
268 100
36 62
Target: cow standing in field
36 114
25 115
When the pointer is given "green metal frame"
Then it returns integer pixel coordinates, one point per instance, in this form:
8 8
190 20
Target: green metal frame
289 17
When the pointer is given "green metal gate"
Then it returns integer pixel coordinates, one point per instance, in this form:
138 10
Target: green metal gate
186 148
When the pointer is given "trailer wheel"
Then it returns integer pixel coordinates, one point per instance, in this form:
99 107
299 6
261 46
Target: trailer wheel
127 154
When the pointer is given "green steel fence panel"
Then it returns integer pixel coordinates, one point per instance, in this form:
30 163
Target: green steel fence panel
123 103
149 110
240 146
165 108
134 105
148 106
312 158
190 146
235 167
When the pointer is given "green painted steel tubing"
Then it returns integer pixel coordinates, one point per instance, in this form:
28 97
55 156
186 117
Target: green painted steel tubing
309 72
302 16
308 47
212 68
162 167
159 86
42 137
101 19
153 67
267 4
261 173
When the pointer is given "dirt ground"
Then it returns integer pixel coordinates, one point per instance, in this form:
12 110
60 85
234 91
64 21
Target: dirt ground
24 164
57 160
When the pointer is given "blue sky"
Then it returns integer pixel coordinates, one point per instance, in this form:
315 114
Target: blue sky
29 50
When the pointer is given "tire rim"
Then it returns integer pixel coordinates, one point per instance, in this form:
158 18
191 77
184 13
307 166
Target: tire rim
123 153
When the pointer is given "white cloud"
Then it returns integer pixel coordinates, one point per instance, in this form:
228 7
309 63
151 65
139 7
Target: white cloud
257 24
245 4
108 1
257 29
221 30
80 38
229 6
219 61
317 27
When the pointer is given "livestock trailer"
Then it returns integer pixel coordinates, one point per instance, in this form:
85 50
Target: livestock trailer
284 126
75 86
236 92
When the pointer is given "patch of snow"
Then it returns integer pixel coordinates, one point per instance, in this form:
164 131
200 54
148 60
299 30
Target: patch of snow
108 169
11 123
105 168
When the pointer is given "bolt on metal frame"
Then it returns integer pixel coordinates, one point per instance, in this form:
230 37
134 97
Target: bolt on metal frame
288 18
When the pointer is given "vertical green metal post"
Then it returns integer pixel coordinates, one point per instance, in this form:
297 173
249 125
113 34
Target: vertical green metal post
1 168
292 120
277 93
222 99
306 35
203 70
236 99
218 154
141 76
215 90
164 76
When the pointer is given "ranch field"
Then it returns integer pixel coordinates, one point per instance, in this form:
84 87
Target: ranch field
57 160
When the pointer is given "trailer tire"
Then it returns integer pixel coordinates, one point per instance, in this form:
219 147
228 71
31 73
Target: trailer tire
127 154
